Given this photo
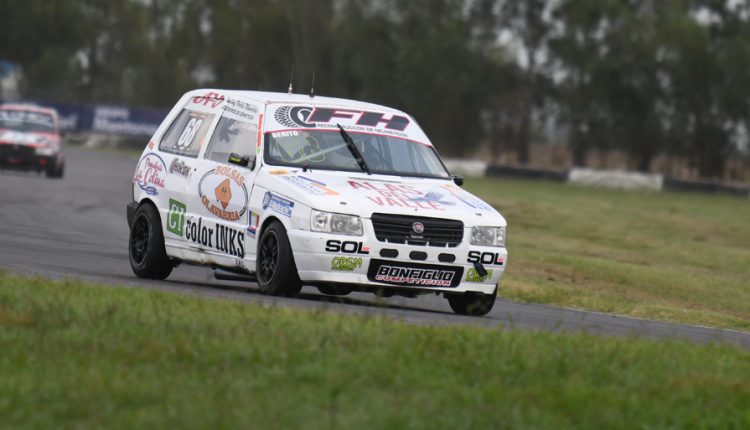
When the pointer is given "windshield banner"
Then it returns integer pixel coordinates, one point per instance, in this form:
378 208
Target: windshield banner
354 120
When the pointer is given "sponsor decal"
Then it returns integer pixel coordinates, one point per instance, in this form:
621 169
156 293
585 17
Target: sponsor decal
294 116
252 226
208 234
405 196
466 198
285 134
412 274
210 98
240 109
179 167
490 258
347 247
346 264
176 217
277 204
151 145
223 193
149 175
309 117
473 276
278 172
310 186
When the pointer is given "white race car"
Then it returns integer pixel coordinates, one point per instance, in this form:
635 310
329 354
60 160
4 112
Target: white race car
291 190
30 139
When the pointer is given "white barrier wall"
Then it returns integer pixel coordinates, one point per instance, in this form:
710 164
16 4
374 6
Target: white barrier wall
615 179
465 167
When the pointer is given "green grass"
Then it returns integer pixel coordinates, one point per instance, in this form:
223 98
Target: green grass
75 355
670 256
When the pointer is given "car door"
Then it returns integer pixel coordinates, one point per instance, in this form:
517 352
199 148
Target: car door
180 147
221 184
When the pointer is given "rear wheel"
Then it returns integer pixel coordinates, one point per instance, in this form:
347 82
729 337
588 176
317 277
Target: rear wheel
474 304
276 271
148 258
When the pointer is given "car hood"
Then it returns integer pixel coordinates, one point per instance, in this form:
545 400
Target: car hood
363 195
26 137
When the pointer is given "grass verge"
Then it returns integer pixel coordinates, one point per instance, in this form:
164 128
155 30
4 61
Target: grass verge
670 256
76 355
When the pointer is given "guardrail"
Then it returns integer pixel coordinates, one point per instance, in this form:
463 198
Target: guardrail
614 179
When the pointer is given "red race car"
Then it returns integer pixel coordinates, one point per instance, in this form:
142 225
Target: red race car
30 140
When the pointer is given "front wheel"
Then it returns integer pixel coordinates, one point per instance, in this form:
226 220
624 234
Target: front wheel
148 258
56 170
276 271
474 304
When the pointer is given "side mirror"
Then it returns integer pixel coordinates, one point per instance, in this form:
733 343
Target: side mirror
458 180
239 160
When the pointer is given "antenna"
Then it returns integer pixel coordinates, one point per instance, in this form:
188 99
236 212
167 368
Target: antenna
291 79
312 86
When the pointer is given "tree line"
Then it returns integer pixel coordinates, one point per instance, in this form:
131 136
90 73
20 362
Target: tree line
646 77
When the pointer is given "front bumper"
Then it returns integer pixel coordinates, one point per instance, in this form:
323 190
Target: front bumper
373 263
24 157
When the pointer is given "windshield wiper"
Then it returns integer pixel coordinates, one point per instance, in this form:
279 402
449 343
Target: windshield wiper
354 150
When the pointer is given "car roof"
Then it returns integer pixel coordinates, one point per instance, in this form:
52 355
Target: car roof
28 107
266 97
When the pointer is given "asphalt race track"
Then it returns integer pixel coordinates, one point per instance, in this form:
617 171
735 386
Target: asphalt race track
76 228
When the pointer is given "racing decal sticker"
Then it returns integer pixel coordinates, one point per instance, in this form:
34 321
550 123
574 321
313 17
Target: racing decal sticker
208 234
489 258
466 198
149 175
346 264
176 217
252 225
179 167
294 116
347 247
240 109
278 204
223 193
312 117
310 186
473 276
404 196
413 274
211 98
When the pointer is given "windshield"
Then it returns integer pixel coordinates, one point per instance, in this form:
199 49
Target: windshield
22 120
327 150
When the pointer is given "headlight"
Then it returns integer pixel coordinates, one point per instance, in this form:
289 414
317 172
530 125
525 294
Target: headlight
328 222
488 236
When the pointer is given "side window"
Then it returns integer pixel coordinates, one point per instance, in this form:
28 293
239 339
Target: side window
185 135
232 136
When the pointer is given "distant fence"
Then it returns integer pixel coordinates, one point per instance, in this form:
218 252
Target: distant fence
106 119
596 178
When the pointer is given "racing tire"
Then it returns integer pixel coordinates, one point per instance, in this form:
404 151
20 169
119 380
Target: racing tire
275 269
473 304
56 171
148 258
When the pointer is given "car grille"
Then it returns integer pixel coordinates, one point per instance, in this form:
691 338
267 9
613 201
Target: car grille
398 229
16 153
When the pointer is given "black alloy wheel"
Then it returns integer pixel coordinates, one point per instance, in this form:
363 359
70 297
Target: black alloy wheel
474 304
148 258
276 271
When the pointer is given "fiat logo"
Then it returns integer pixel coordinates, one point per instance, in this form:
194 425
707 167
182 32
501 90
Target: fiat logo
417 227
